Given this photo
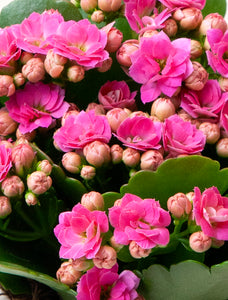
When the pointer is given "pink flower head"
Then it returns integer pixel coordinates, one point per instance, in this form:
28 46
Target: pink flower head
173 4
160 65
5 161
79 232
32 33
36 105
82 129
224 116
80 41
140 133
206 103
217 55
210 211
142 221
116 94
181 137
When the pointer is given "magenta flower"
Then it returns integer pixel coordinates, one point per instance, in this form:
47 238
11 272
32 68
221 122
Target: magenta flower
80 41
116 94
81 129
160 65
5 161
173 4
224 116
206 103
142 221
210 211
36 105
140 133
217 55
79 232
181 137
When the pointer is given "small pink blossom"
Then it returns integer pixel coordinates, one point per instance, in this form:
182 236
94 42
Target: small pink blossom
116 94
224 116
36 105
79 232
173 4
5 161
180 137
160 65
140 133
210 211
82 129
142 221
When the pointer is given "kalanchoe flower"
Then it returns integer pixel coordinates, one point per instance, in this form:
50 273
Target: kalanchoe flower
82 129
145 224
5 161
183 3
36 106
79 232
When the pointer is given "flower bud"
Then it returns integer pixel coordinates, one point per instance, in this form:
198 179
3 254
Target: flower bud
116 116
131 157
197 79
116 154
211 131
212 21
105 258
81 264
5 207
97 16
222 147
162 108
88 5
7 87
93 201
150 160
44 166
187 118
38 182
190 196
124 52
88 172
22 157
13 186
54 64
25 57
149 33
114 244
223 82
67 114
19 79
189 18
109 5
106 65
7 124
75 73
98 108
67 274
97 153
217 243
196 49
71 161
171 27
179 205
30 199
138 252
114 40
29 136
34 70
199 242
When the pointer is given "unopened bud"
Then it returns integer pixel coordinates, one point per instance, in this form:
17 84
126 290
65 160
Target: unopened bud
7 124
151 160
223 82
44 166
98 108
54 64
116 116
88 5
30 199
109 5
5 207
116 153
222 147
197 79
131 157
29 136
114 40
88 172
38 182
114 244
105 258
138 252
25 57
97 153
189 18
211 131
22 157
162 108
97 16
93 201
106 65
13 186
71 161
213 21
34 70
67 114
170 28
76 73
19 79
179 205
196 49
200 242
7 87
124 52
67 274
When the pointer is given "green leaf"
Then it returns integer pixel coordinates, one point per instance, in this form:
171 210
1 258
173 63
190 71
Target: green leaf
177 175
18 10
15 284
109 199
186 280
213 6
123 25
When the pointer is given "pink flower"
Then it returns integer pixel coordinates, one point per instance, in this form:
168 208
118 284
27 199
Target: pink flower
36 105
80 41
142 221
82 129
206 103
183 3
210 211
140 133
224 116
180 137
79 232
116 94
5 161
160 65
217 56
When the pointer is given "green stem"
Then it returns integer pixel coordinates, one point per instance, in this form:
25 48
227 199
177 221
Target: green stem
27 219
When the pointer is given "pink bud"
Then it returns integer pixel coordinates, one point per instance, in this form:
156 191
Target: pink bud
131 157
162 108
13 186
196 49
190 196
88 172
81 264
171 27
150 160
105 258
7 124
54 64
139 113
88 5
44 166
7 87
29 136
19 79
223 82
22 157
124 52
149 33
97 16
76 73
197 79
71 161
98 108
138 252
93 201
116 153
116 116
97 153
67 274
187 118
211 131
106 65
222 147
34 70
114 40
109 5
30 199
38 182
67 114
179 205
5 207
115 245
25 57
189 18
199 242
213 21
